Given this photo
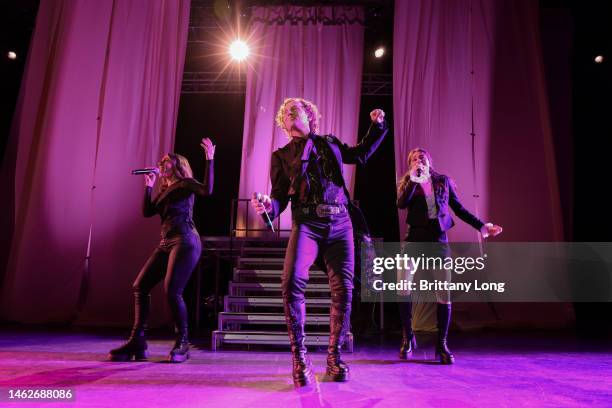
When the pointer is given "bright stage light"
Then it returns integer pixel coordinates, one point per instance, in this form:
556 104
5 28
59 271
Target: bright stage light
599 59
239 50
380 51
12 55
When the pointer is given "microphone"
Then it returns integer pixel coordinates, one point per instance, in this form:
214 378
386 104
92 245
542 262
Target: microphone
419 171
265 216
146 170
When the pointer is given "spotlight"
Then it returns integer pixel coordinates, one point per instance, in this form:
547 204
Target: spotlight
380 51
599 59
12 55
239 50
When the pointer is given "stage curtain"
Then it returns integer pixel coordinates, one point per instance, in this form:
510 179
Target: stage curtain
310 52
466 66
99 97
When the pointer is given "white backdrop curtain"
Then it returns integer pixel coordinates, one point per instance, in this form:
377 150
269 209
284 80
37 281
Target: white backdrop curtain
460 65
99 97
310 52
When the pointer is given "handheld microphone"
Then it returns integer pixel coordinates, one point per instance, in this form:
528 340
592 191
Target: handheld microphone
265 216
146 170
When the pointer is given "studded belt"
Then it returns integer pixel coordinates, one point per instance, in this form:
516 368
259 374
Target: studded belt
323 210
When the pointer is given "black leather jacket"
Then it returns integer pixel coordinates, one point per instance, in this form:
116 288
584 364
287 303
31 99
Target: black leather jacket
175 204
289 164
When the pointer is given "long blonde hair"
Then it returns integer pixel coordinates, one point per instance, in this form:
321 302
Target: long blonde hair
406 177
311 110
181 166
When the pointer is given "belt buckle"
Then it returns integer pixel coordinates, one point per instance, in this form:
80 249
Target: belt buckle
323 210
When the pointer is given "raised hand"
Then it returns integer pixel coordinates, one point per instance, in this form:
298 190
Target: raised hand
377 116
209 148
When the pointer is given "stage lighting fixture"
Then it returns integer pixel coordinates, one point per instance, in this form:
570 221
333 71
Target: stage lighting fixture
239 50
380 51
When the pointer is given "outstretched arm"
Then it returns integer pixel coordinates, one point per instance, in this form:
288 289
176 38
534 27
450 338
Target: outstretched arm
486 230
361 152
460 210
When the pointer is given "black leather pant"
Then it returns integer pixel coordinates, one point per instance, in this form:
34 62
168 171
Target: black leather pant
331 239
172 261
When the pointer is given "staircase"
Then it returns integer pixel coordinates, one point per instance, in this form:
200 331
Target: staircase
253 309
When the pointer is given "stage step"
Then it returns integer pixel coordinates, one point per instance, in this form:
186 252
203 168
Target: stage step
267 263
232 302
263 251
251 274
233 318
253 309
268 288
220 337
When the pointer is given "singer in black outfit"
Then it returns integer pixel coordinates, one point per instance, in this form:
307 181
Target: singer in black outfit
308 172
428 196
177 254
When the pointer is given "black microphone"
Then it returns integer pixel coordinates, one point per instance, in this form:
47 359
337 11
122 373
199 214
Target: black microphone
419 171
265 216
146 170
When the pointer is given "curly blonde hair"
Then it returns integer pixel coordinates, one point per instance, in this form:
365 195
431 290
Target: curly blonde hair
311 110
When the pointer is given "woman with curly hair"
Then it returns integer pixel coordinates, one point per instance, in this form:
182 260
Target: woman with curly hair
427 195
177 254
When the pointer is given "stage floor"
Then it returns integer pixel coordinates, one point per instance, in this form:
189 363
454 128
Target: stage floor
492 369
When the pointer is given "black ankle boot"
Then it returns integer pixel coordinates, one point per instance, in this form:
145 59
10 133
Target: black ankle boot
339 322
408 338
442 352
180 351
295 317
408 344
135 348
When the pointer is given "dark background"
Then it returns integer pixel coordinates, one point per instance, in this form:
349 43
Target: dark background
580 96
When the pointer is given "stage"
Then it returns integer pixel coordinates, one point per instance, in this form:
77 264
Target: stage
493 369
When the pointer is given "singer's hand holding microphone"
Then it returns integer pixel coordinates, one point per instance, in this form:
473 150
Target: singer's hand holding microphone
262 204
419 173
150 175
150 178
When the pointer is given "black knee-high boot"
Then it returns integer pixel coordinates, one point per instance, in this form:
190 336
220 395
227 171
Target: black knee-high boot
339 324
442 352
295 317
136 345
180 351
408 338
